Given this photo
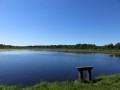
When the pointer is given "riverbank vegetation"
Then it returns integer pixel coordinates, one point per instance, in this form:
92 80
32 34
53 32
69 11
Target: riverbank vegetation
77 46
84 48
111 82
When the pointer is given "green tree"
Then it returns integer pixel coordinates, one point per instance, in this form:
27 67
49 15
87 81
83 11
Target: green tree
109 46
117 46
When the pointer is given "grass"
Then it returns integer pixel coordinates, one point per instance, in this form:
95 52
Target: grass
111 82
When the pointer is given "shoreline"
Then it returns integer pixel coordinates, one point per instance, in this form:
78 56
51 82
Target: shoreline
115 52
102 82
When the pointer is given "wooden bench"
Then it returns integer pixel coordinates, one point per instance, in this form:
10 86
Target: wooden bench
85 68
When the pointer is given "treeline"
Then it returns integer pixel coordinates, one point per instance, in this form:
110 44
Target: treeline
77 46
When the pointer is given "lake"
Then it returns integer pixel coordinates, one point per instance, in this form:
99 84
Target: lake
28 67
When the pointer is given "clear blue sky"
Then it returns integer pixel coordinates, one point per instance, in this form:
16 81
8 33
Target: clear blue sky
46 22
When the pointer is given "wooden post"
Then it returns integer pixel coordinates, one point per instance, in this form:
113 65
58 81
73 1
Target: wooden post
88 75
80 75
86 68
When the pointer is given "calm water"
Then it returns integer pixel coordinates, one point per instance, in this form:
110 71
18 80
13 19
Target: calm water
31 67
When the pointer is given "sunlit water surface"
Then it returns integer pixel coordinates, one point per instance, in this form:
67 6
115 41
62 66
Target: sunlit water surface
27 67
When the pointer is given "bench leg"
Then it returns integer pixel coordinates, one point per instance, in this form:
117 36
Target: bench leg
81 75
89 75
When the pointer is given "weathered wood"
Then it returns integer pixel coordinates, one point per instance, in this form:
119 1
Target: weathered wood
80 75
85 68
89 75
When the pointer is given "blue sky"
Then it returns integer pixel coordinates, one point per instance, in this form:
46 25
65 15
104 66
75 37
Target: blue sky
46 22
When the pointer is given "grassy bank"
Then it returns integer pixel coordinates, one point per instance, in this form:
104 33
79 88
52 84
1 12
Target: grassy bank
112 51
111 82
108 51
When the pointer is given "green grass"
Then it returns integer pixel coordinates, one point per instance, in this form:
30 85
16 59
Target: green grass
111 82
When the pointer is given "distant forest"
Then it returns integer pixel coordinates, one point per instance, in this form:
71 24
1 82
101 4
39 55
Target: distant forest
77 46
